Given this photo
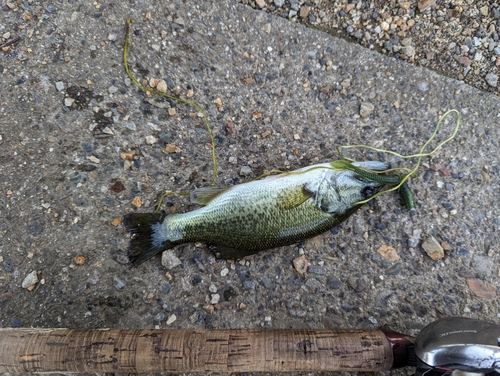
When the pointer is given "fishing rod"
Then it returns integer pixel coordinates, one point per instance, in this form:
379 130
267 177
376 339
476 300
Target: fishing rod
457 346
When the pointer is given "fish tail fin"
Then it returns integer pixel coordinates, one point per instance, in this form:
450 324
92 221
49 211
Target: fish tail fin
146 240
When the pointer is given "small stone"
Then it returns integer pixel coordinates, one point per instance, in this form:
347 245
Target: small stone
79 260
162 86
59 85
433 249
406 42
171 148
171 319
481 288
215 299
116 221
151 140
265 134
137 202
127 155
484 10
404 5
300 264
245 170
169 259
94 159
68 102
304 11
384 26
425 4
408 51
296 136
172 111
30 281
107 130
365 109
492 79
155 47
388 252
131 126
279 3
260 3
118 283
209 308
212 288
224 272
190 93
153 82
464 60
112 89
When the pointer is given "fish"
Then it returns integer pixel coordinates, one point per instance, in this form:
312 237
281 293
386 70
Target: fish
247 218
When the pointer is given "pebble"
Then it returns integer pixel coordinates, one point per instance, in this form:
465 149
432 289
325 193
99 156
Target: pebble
260 3
16 322
492 79
224 272
68 102
162 86
209 308
388 252
300 264
59 85
481 288
118 283
432 247
245 171
131 126
169 259
215 299
279 3
137 202
151 140
212 288
107 130
160 317
112 89
30 281
171 319
365 109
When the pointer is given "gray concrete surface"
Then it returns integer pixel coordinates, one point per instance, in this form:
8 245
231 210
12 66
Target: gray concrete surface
58 169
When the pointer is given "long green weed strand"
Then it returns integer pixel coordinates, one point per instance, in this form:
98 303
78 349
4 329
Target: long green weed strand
404 177
180 100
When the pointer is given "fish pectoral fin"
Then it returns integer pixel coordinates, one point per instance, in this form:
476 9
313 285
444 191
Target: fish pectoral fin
202 196
226 252
292 197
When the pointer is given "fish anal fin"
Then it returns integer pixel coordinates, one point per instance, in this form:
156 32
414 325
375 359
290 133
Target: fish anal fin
203 196
226 252
292 197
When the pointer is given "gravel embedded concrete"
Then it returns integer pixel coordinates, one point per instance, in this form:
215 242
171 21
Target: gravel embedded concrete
80 146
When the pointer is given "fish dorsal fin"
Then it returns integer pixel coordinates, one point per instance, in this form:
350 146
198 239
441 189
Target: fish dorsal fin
202 196
292 197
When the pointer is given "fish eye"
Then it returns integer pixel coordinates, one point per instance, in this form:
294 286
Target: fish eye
367 192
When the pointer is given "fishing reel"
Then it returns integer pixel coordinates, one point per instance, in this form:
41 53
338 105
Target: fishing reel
458 347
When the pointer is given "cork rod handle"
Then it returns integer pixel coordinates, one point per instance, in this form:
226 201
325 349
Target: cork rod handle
186 350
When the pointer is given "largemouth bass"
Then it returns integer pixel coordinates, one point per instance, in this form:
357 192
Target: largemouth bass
262 214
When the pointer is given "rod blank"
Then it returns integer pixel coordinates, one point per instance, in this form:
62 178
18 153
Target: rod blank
180 350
